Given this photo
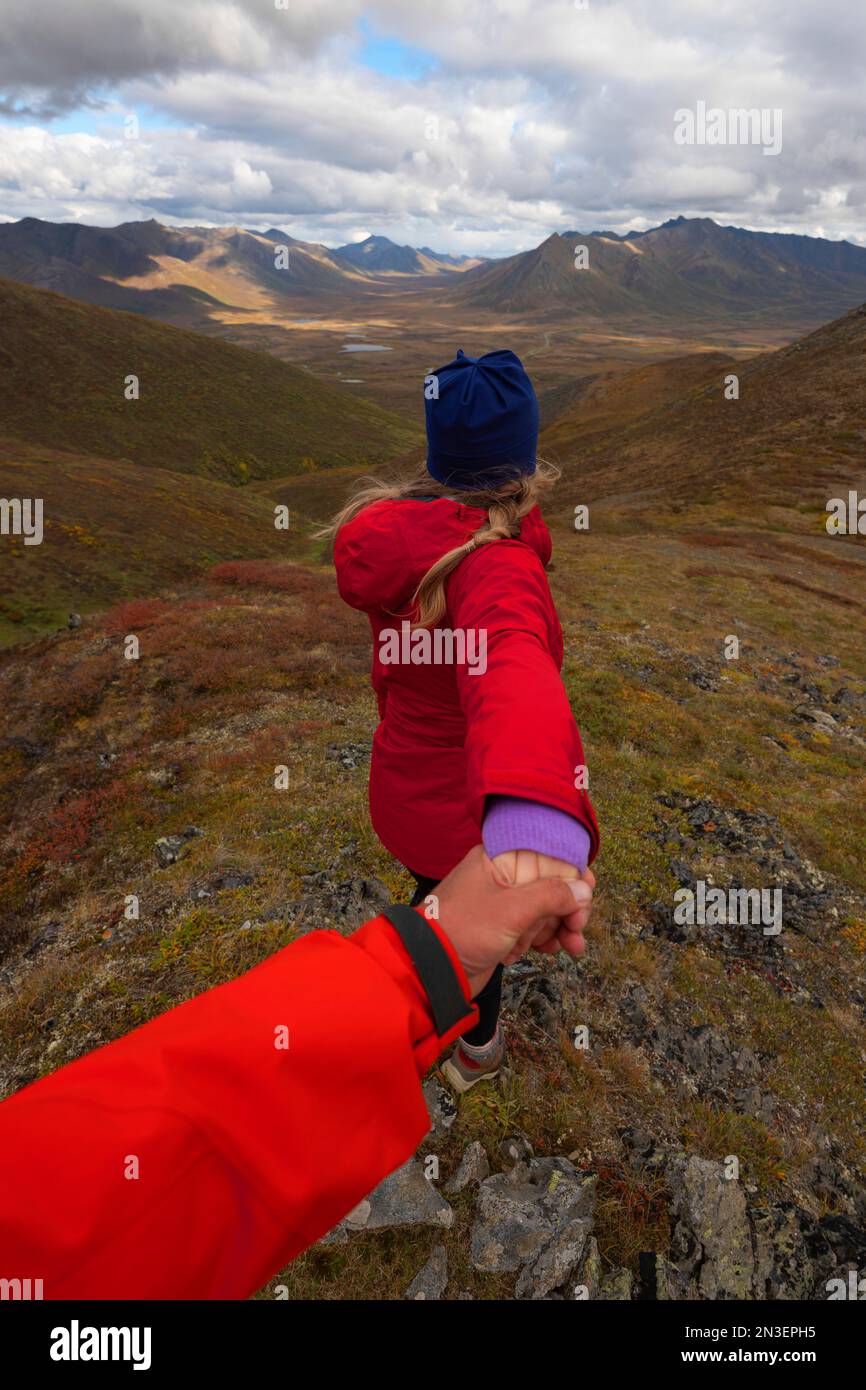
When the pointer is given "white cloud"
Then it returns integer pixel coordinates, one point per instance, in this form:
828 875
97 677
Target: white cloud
250 184
546 117
50 56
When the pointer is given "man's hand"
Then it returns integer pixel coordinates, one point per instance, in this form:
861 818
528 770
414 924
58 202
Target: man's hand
489 922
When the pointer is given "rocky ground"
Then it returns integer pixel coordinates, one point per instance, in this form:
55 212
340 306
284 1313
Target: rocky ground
682 1115
532 1218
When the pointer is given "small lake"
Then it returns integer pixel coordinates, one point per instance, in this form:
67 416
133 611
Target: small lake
365 347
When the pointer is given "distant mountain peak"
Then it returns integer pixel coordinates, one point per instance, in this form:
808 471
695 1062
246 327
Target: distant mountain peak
377 253
605 233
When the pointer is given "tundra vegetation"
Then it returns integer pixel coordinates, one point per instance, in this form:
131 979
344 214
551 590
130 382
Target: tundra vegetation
148 854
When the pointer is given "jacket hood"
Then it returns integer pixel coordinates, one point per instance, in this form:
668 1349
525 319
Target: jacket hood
383 553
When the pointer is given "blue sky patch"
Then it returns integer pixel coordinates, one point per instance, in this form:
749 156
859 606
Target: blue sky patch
391 57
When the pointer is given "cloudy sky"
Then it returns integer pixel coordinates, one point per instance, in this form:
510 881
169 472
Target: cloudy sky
469 127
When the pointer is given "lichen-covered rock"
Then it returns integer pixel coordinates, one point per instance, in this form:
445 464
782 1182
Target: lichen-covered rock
358 1216
222 881
713 1067
616 1286
510 1227
643 1151
406 1198
711 1247
587 1277
542 993
811 899
516 1149
169 848
440 1107
348 755
537 1219
474 1168
783 1268
837 1246
332 898
708 1053
557 1261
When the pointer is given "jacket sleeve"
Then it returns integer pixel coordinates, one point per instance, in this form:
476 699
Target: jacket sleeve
197 1156
521 737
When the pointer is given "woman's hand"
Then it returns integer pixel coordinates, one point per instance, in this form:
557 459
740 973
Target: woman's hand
489 921
525 866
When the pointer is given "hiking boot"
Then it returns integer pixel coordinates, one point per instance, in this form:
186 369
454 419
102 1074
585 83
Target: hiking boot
462 1070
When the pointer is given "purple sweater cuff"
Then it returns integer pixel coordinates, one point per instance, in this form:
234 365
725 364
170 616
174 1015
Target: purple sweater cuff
510 822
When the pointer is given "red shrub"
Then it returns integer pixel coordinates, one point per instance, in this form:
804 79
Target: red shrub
138 613
69 829
74 687
263 574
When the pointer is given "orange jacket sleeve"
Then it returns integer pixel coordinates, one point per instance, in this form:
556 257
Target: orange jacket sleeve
197 1156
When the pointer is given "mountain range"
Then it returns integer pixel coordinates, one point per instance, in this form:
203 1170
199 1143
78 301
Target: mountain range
688 268
178 272
687 271
168 272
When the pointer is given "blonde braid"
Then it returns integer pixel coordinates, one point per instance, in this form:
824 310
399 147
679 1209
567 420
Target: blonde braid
505 511
506 507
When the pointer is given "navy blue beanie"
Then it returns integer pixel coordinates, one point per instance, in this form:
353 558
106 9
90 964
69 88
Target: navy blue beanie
482 421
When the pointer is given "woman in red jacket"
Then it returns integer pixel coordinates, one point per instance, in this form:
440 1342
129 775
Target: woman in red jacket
476 735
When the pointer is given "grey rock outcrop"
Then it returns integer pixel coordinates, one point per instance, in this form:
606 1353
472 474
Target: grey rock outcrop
711 1248
333 898
431 1281
474 1168
441 1108
535 1219
404 1198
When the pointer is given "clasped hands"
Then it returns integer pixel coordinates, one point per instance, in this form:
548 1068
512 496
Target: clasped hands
495 910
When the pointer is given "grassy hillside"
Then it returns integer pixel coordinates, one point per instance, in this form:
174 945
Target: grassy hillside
604 401
115 531
205 407
799 422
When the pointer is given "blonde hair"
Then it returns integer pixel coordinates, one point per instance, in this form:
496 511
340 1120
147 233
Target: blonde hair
506 506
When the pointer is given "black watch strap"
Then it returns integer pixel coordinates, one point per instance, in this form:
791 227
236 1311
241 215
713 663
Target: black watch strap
431 960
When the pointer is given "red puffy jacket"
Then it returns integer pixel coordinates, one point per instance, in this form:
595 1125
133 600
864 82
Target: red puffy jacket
447 739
